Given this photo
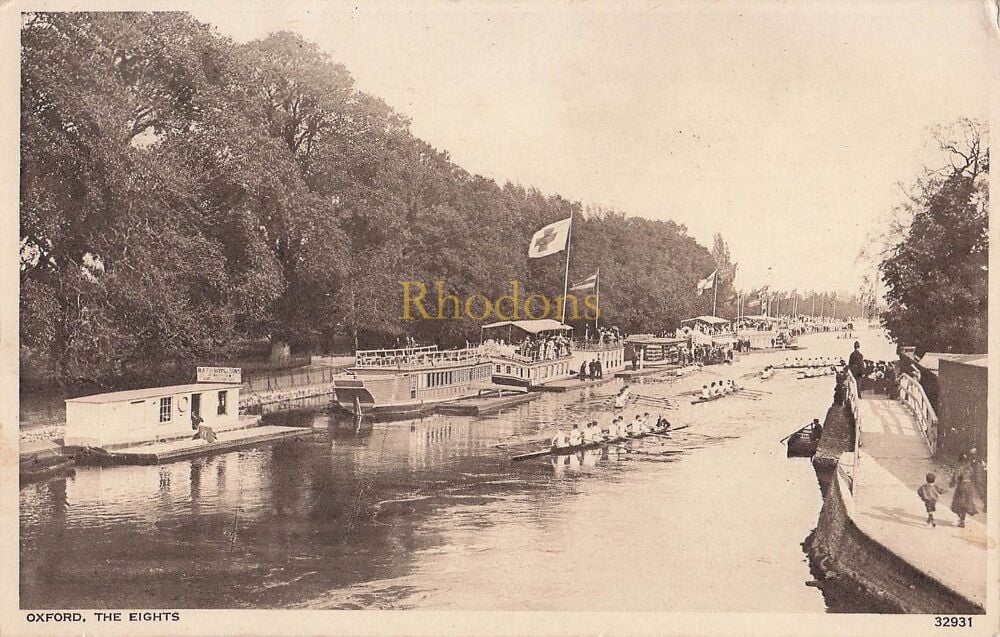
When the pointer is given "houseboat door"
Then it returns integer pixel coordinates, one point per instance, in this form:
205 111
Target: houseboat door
195 405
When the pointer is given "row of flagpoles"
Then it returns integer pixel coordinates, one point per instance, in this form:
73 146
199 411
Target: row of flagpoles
557 237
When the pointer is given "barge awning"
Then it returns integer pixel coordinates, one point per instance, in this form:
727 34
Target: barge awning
533 326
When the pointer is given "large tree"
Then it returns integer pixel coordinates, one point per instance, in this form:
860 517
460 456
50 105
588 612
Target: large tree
936 273
183 195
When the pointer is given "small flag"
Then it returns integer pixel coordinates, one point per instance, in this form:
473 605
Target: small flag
707 283
550 239
590 283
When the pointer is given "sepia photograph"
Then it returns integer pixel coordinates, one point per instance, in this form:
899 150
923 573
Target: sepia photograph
477 317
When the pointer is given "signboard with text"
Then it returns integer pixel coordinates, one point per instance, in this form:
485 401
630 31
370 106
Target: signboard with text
220 375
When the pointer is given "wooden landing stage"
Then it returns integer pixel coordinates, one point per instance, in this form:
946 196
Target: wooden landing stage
169 451
567 384
629 374
482 405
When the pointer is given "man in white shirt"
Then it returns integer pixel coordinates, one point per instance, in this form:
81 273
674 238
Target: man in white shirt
575 436
619 426
559 440
704 391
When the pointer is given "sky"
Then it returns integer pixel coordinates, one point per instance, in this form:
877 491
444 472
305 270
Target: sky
787 127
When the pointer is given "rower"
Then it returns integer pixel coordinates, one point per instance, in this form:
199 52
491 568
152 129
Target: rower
704 392
590 433
575 436
716 389
662 423
622 398
645 422
630 427
559 440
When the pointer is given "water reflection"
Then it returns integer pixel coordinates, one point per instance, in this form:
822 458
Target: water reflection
432 513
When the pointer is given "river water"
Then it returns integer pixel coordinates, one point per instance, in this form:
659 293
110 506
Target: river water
432 513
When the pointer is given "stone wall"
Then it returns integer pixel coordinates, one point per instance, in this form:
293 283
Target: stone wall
857 574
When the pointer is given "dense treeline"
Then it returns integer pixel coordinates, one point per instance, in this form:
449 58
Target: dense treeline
183 195
936 268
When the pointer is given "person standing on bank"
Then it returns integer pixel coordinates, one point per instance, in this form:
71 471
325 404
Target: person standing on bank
583 370
963 502
856 363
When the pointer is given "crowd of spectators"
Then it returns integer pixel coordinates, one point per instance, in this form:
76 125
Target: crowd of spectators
544 347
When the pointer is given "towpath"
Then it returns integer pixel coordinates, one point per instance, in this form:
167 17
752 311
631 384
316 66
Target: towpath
893 461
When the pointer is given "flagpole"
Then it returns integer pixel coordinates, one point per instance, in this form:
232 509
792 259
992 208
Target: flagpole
569 241
597 292
715 289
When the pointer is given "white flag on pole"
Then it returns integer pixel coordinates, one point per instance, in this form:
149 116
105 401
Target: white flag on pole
550 239
707 283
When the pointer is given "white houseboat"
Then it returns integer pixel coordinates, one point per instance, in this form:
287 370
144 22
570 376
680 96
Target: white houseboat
410 381
528 353
127 418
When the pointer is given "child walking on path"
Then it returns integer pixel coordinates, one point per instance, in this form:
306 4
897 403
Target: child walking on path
929 493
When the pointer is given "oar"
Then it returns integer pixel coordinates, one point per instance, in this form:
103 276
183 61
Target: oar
653 399
667 452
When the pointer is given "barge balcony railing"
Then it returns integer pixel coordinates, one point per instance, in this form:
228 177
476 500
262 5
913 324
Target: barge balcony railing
412 357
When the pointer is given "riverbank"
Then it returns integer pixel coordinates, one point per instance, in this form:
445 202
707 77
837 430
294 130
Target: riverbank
877 554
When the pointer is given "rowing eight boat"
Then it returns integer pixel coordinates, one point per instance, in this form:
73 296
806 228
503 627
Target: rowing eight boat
711 398
560 451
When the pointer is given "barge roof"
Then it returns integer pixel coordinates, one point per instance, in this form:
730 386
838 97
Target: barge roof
150 392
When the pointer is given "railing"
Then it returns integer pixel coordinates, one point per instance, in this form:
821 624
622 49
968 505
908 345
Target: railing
403 351
851 401
416 357
582 345
912 394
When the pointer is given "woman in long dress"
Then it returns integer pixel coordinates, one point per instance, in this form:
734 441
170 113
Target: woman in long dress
963 502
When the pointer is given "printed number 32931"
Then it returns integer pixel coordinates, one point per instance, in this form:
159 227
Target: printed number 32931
953 622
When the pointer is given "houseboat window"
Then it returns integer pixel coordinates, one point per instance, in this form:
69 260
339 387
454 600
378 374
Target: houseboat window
508 369
222 402
498 369
165 404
